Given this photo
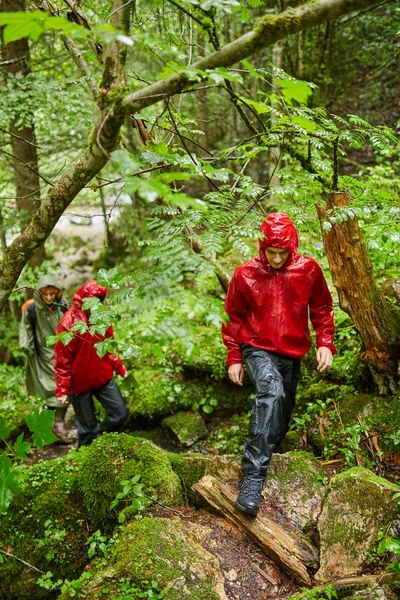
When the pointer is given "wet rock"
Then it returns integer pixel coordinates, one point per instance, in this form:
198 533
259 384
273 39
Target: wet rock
163 553
374 592
357 506
188 427
298 483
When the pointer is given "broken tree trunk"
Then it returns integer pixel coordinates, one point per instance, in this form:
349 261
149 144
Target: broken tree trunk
284 546
358 293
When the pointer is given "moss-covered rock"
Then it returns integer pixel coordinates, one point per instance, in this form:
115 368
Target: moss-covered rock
117 457
159 554
357 506
188 427
160 394
373 592
192 467
298 482
45 526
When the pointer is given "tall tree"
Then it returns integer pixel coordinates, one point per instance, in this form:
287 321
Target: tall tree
16 56
116 103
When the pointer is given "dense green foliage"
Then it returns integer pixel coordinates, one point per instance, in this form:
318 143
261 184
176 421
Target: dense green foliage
181 206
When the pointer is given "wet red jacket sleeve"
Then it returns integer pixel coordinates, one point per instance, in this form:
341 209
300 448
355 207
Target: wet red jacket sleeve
113 359
63 358
321 313
235 307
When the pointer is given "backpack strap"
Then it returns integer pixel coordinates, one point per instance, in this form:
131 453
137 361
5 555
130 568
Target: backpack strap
31 310
63 306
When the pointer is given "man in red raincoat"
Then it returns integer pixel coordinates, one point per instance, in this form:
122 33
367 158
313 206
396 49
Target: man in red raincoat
268 303
80 371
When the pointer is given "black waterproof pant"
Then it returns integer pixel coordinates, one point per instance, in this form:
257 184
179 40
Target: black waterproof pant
110 398
275 377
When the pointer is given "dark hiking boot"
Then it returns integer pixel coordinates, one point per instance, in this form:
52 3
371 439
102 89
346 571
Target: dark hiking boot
249 497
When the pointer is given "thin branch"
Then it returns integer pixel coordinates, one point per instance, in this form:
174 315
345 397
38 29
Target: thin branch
18 137
120 8
81 63
13 61
362 12
21 561
184 10
28 166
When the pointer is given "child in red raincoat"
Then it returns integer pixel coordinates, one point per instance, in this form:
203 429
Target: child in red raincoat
269 302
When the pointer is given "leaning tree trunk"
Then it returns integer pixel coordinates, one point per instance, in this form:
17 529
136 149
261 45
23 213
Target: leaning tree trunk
22 138
359 295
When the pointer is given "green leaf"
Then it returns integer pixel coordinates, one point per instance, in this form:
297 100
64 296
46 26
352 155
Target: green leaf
260 107
40 424
21 448
31 29
304 123
251 69
294 89
80 326
4 430
111 278
8 482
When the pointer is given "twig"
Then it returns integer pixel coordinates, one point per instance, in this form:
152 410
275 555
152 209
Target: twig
361 12
120 8
21 561
28 166
81 63
18 137
184 10
13 61
264 574
98 134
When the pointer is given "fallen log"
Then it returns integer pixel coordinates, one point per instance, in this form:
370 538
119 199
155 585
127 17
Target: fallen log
284 546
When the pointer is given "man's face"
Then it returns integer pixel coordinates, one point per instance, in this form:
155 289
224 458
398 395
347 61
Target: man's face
48 294
276 257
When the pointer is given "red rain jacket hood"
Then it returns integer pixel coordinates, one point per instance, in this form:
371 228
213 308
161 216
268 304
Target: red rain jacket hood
269 308
78 367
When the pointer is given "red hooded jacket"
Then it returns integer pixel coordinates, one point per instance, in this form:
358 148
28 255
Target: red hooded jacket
78 367
269 308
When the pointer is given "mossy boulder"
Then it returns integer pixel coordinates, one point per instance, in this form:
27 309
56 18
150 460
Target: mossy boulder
117 457
45 526
358 504
373 592
298 482
159 554
158 394
192 467
188 427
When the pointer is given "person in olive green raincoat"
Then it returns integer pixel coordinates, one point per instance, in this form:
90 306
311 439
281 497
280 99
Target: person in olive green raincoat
39 320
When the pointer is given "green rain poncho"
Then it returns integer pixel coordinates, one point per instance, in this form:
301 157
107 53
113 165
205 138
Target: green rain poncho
39 361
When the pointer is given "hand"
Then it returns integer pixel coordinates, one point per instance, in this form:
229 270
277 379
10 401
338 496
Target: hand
324 358
235 373
63 399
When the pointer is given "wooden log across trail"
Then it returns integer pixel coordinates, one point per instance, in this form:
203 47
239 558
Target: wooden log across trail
285 547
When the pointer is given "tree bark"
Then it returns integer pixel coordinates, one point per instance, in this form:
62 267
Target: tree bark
359 296
114 107
22 137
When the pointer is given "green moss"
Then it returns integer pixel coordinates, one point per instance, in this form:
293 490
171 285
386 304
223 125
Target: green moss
357 506
113 458
159 395
157 549
190 469
44 526
187 426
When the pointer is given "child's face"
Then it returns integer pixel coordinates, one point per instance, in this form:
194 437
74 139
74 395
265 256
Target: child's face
276 257
48 294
